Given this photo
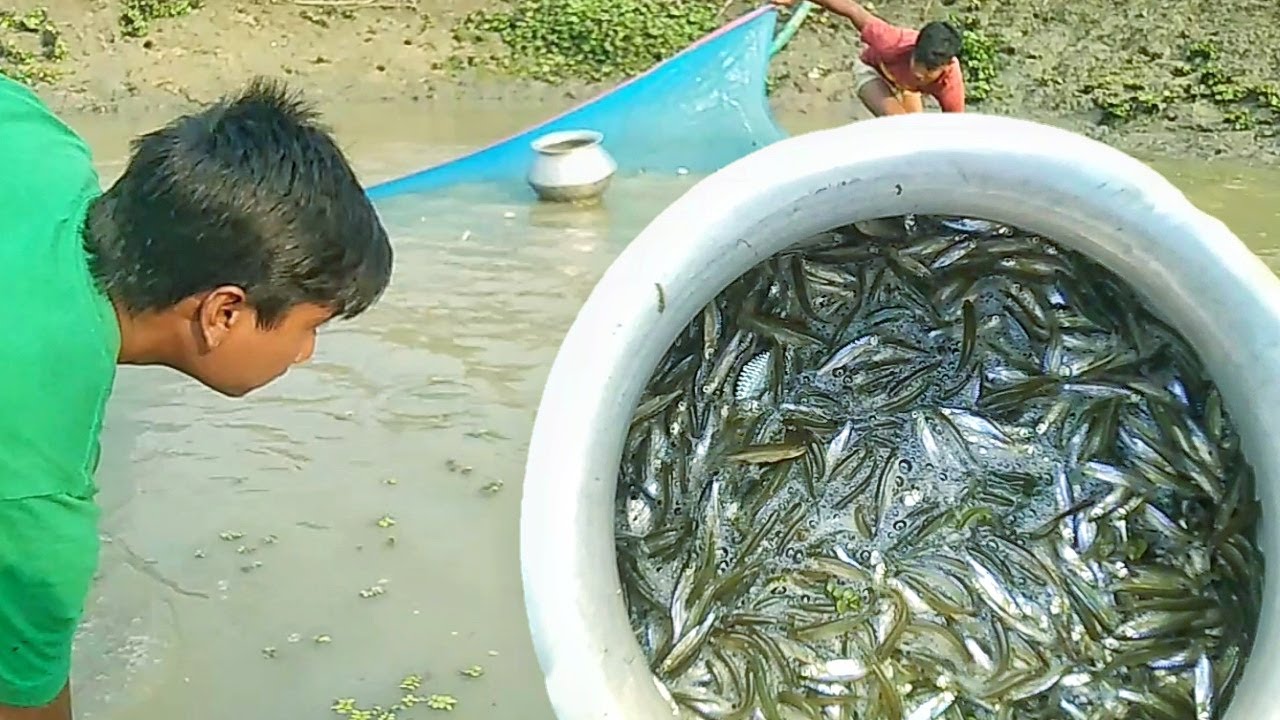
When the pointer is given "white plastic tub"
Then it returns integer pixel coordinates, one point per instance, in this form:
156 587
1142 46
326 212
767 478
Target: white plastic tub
1081 193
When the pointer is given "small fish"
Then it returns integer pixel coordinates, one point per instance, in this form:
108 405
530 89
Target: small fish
839 670
848 353
947 472
766 454
934 707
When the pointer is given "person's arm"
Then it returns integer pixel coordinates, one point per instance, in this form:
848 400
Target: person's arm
59 709
950 92
48 556
858 15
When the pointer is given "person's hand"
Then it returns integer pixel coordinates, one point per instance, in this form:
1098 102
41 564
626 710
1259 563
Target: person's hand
783 3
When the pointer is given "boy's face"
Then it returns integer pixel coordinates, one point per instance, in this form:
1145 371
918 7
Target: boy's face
234 355
924 75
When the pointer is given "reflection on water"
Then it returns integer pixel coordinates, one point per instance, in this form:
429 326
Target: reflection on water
435 389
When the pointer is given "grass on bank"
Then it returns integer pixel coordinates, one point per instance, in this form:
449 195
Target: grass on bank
136 16
31 46
593 40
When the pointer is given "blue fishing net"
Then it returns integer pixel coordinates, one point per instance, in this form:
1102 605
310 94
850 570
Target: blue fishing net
697 111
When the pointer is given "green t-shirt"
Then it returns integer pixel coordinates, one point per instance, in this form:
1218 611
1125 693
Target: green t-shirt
58 360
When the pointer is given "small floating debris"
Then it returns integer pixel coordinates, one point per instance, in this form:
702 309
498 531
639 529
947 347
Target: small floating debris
682 171
270 540
492 488
508 215
245 549
199 553
485 434
294 637
269 653
251 566
465 236
230 535
322 639
390 481
386 521
474 671
375 590
455 466
391 541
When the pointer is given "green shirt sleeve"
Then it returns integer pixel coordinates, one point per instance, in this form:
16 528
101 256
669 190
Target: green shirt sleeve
48 557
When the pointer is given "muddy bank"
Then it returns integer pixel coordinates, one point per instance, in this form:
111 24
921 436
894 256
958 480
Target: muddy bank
1175 78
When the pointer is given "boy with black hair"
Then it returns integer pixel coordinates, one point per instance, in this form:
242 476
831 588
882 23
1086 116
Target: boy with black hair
232 236
898 64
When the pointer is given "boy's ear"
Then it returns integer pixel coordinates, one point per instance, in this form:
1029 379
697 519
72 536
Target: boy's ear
219 312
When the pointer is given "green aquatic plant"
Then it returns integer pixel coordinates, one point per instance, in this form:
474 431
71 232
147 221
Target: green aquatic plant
411 682
136 16
441 702
980 58
31 46
474 671
556 40
1203 74
846 598
350 707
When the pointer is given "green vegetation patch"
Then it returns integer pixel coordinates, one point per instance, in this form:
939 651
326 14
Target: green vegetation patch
556 40
31 46
1201 74
980 58
136 16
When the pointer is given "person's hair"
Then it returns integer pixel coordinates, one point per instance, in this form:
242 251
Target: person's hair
253 192
937 45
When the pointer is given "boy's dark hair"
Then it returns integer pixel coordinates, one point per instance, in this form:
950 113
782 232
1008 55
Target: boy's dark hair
251 191
937 45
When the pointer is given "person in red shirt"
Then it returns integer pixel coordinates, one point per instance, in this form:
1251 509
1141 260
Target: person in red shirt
900 65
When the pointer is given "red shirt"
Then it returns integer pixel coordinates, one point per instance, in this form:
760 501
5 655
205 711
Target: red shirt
889 51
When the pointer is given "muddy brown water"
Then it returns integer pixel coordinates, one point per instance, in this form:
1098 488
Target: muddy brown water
434 389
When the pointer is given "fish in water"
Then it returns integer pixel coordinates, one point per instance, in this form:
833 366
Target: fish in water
961 473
